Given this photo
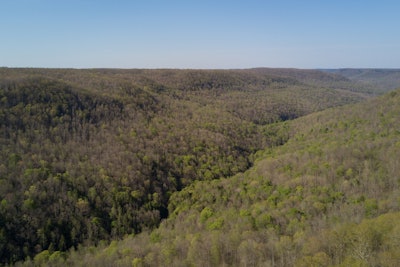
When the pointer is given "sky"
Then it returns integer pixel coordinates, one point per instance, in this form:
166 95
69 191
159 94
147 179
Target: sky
200 34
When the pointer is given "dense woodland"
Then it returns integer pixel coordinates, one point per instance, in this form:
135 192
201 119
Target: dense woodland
91 156
377 80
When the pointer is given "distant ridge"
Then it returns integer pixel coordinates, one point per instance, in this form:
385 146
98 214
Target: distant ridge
383 80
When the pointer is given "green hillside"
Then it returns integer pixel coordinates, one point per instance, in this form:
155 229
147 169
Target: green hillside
89 156
329 196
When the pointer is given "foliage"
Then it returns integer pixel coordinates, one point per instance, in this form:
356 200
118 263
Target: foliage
91 155
378 81
327 197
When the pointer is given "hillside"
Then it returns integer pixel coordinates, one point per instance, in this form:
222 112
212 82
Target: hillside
91 155
329 196
383 80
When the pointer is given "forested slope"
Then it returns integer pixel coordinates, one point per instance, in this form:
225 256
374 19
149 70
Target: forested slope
381 80
90 155
327 197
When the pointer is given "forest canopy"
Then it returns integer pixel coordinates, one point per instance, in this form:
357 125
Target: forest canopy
90 156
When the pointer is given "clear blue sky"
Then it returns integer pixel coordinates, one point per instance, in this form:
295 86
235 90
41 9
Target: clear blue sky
200 33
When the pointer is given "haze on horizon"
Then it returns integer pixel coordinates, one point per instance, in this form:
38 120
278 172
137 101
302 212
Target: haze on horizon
200 34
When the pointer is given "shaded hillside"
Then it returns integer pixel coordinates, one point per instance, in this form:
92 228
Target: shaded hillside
327 197
383 80
259 95
320 78
302 75
90 155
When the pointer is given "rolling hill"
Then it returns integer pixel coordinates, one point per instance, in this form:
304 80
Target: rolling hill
382 80
329 196
90 156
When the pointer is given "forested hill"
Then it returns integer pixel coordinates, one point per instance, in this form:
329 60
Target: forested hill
108 79
91 155
329 196
383 80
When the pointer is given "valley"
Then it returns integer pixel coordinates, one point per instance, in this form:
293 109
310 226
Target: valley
264 167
